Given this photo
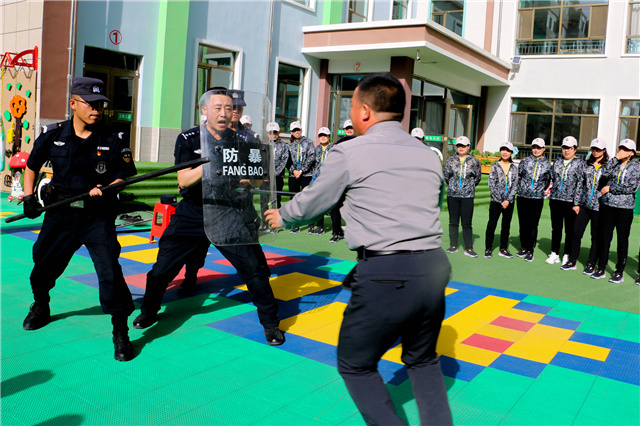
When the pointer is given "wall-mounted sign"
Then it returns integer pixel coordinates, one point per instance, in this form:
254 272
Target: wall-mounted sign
115 37
124 116
433 138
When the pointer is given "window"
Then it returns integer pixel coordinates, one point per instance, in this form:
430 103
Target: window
358 10
215 68
553 120
306 3
289 95
629 120
399 9
449 13
633 32
553 27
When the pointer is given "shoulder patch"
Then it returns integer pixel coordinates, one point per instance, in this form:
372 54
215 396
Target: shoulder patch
48 127
191 133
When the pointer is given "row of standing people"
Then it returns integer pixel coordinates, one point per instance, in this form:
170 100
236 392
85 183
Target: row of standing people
303 162
599 190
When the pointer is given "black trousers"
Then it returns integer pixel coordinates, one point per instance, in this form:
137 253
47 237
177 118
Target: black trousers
619 219
582 220
529 212
495 210
336 222
562 214
395 296
175 249
460 209
63 233
297 185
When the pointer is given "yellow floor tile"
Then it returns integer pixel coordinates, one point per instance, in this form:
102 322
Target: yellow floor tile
448 291
142 256
523 315
131 240
550 332
535 348
468 353
501 333
584 350
394 354
294 285
328 334
315 319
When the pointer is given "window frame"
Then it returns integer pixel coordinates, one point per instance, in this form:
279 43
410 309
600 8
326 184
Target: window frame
621 101
306 82
310 7
627 35
350 11
236 79
444 15
407 9
552 150
557 43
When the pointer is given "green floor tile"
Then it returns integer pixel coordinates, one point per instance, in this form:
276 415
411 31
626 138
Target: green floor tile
539 300
617 402
340 267
631 329
570 311
112 390
197 389
52 408
149 408
600 330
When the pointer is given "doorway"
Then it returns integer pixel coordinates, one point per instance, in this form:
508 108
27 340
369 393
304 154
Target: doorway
119 71
458 124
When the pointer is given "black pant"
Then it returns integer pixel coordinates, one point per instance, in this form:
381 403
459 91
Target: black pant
176 249
395 296
63 233
336 222
460 209
297 185
621 220
529 211
495 210
562 214
582 220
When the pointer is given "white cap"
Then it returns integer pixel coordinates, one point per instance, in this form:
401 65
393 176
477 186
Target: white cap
295 125
570 141
347 123
324 131
246 119
629 144
462 140
538 142
507 145
598 143
417 133
273 127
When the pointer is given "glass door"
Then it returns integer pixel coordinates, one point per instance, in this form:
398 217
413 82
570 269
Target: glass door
121 89
458 124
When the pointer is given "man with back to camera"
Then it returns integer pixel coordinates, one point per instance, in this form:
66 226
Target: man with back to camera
185 236
85 156
391 208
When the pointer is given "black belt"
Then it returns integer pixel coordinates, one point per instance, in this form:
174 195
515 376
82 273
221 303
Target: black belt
364 253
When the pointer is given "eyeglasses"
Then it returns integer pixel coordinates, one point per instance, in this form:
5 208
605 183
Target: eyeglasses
95 104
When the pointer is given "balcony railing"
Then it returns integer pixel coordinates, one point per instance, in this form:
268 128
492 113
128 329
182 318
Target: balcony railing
565 47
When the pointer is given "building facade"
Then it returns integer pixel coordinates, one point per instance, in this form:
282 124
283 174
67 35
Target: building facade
491 70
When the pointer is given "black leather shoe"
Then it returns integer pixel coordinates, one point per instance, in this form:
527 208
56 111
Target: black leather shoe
39 315
123 349
145 320
274 336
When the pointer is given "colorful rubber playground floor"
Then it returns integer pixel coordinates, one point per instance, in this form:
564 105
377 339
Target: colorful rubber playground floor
508 357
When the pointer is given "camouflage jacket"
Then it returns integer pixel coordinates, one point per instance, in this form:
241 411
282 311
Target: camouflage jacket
280 156
588 195
462 178
503 187
320 157
534 176
623 183
567 180
303 156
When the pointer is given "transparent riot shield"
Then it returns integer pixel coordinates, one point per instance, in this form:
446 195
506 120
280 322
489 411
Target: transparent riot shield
238 183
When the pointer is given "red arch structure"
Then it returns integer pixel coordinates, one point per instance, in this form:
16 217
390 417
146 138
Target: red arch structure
10 59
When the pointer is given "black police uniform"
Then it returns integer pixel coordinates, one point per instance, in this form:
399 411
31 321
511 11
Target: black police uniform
79 165
185 238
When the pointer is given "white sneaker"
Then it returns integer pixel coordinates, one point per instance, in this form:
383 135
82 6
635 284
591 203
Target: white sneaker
553 258
565 259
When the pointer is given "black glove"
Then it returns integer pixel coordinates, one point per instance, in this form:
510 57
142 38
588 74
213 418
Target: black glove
31 206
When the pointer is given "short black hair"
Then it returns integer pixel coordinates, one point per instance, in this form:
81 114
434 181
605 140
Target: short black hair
218 90
383 93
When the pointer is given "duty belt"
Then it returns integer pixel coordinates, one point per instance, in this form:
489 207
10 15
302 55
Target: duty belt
363 253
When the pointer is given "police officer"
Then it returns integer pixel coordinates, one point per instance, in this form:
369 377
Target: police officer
391 208
185 236
85 156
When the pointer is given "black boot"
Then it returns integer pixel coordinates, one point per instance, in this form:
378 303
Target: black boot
39 316
121 342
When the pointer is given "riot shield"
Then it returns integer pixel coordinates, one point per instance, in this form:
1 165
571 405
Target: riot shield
238 183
